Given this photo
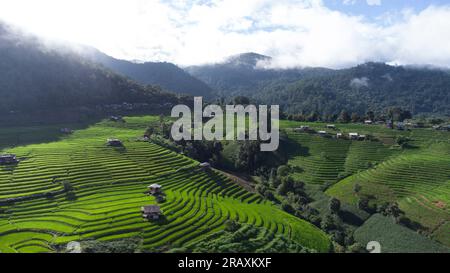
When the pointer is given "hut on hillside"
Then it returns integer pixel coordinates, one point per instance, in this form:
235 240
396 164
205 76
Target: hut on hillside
114 142
205 165
400 126
155 189
302 129
353 136
66 131
151 212
362 137
368 122
7 159
389 124
116 118
322 133
441 127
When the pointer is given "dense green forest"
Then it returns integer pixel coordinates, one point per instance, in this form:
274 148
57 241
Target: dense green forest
370 86
166 75
35 77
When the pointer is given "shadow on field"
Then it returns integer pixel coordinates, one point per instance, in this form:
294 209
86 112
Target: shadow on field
293 148
13 136
71 196
9 168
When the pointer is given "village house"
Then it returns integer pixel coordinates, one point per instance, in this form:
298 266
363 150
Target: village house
116 118
302 129
114 142
6 159
151 212
389 124
362 137
339 135
441 128
353 136
368 122
66 131
410 125
331 126
205 165
155 189
322 133
400 126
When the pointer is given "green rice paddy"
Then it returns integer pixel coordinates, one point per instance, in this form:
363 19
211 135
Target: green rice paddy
109 186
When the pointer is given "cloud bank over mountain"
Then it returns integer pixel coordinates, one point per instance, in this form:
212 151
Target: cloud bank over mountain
294 32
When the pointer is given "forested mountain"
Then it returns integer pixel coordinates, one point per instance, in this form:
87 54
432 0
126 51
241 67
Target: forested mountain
370 86
35 76
239 74
166 75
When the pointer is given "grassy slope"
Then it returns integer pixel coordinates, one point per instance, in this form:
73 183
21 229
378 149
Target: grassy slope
395 238
109 186
417 178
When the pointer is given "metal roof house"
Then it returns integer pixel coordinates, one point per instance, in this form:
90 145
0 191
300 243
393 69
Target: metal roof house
114 142
6 159
362 137
151 212
204 165
302 129
353 136
66 131
116 118
154 188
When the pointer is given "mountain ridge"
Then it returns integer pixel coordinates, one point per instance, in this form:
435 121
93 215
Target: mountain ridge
36 77
369 86
167 75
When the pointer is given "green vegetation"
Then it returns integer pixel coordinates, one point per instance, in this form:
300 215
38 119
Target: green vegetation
370 86
79 189
52 84
247 239
395 238
166 75
370 174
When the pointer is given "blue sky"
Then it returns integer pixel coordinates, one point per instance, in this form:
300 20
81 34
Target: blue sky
372 9
296 33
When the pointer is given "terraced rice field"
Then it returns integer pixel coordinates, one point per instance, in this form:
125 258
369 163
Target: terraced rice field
108 192
417 178
419 181
325 161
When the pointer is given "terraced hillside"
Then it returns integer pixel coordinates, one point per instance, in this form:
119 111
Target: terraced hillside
417 178
419 182
77 188
325 161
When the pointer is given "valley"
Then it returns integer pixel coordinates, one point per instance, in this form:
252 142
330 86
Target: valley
107 189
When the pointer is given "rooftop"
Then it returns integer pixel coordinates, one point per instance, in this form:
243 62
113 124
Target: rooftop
7 156
151 209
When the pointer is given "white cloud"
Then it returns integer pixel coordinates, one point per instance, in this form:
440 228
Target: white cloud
349 2
359 82
294 32
373 2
